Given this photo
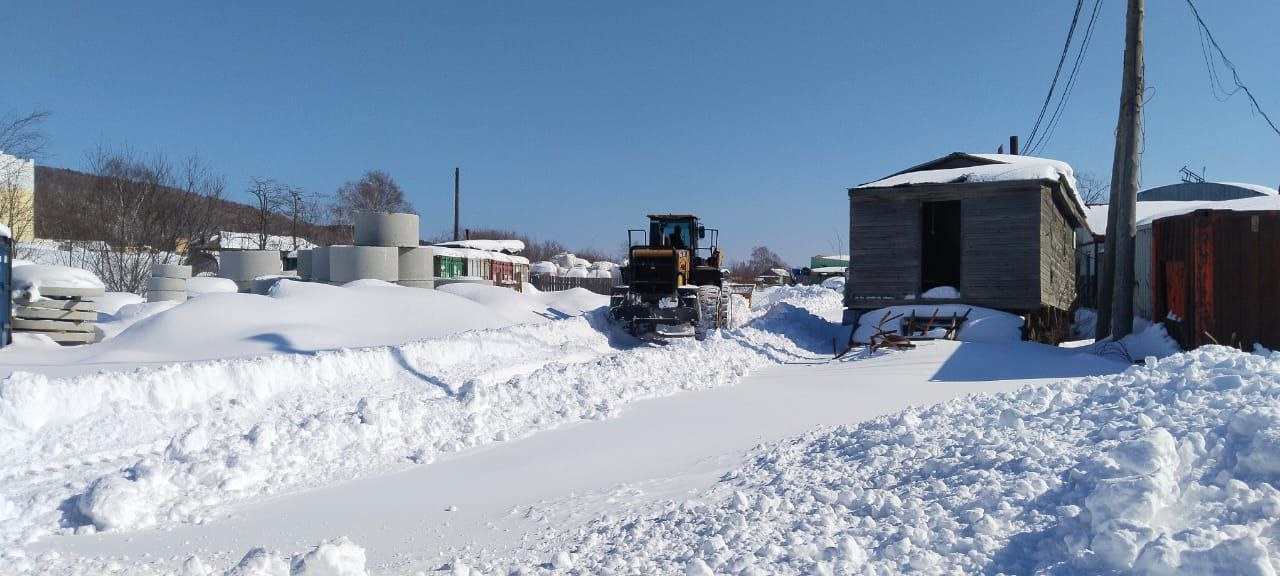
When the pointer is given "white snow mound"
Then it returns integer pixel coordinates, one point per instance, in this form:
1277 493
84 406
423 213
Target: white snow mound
1167 468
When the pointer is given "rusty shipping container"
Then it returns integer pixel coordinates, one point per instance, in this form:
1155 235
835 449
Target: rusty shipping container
1216 277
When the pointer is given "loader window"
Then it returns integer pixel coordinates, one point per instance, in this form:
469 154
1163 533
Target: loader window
677 234
940 244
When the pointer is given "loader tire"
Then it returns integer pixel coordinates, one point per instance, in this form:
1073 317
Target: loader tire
709 311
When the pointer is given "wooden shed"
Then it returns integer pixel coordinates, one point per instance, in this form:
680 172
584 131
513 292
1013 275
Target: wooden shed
1216 276
1000 229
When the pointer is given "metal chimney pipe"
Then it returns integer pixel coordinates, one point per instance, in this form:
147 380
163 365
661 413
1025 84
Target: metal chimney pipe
457 177
1013 144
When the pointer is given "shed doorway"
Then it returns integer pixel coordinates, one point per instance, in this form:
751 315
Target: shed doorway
940 244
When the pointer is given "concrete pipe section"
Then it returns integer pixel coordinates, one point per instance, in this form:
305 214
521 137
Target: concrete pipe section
166 296
348 263
304 264
171 271
155 284
416 263
320 264
386 229
428 284
245 265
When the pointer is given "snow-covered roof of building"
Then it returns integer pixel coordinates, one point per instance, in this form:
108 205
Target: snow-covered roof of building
959 167
1149 212
5 232
250 241
472 253
844 257
1201 191
1264 190
508 246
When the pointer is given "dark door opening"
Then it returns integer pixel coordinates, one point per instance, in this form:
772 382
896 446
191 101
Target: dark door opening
940 244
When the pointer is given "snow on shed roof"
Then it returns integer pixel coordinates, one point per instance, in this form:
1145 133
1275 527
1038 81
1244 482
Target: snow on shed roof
508 246
965 167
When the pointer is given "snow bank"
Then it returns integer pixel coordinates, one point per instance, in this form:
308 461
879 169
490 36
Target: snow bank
111 325
111 302
297 318
982 325
31 277
120 450
1168 468
1146 340
834 283
201 285
942 293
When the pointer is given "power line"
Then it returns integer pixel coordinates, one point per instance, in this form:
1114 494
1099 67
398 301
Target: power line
1235 75
1066 48
1071 80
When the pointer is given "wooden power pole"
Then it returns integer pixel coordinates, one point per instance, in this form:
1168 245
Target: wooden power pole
1115 314
457 196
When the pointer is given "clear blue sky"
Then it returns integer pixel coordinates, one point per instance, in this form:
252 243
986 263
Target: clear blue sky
571 120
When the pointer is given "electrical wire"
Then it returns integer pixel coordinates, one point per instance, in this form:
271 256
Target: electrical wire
1037 145
1066 49
1235 75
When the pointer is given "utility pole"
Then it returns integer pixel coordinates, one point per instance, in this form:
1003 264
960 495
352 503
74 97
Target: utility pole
1115 313
457 180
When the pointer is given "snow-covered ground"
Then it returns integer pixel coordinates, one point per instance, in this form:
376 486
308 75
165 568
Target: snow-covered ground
1168 468
146 464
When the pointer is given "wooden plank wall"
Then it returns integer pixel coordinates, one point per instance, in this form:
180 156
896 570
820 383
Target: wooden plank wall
1004 251
1001 251
1057 255
884 247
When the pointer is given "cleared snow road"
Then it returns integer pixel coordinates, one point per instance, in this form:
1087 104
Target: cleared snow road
495 501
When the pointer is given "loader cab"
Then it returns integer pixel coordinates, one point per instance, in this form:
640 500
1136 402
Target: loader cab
675 232
682 232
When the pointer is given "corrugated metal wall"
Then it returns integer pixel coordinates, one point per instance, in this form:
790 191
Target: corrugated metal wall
1216 274
1142 273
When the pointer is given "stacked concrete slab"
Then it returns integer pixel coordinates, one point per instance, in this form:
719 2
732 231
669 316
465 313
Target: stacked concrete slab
62 314
243 266
168 283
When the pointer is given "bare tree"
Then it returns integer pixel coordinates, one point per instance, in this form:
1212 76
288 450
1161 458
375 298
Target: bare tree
376 191
1093 190
21 141
762 260
269 197
147 211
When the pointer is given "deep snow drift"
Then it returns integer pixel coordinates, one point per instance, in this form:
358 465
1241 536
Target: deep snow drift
127 450
297 318
1168 468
